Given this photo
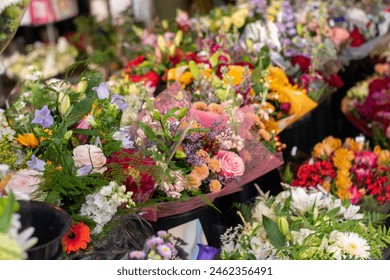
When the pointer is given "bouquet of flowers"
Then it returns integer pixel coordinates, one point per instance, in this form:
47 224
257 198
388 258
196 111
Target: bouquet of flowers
11 12
367 106
304 224
162 246
349 170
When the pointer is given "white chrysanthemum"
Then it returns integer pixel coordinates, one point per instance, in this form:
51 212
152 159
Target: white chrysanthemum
6 3
102 205
353 244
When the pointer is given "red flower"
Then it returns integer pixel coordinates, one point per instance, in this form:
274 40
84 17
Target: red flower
357 38
379 85
151 78
304 62
137 170
77 238
334 80
134 63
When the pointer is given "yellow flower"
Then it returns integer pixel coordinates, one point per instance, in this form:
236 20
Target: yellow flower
342 158
239 17
276 77
235 73
28 140
326 147
214 165
186 78
215 186
383 156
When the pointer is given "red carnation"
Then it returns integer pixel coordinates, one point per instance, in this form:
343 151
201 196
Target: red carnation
357 38
151 78
137 170
334 80
134 63
304 62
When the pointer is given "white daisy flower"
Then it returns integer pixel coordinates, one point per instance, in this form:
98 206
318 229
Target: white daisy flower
353 244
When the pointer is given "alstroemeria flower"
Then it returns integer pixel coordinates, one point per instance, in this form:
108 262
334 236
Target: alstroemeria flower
119 100
102 91
36 164
43 117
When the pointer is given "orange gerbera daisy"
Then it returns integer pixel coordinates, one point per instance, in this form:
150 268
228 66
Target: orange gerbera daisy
28 140
77 238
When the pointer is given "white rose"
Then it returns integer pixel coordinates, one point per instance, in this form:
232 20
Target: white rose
24 183
90 155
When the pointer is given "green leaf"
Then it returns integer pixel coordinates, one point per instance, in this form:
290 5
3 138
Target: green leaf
147 130
288 174
214 60
10 205
80 109
275 236
256 77
85 132
194 69
168 114
263 58
257 87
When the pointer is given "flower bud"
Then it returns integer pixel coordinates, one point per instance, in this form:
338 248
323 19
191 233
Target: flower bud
161 43
63 103
68 134
178 37
82 86
180 155
315 214
156 115
283 225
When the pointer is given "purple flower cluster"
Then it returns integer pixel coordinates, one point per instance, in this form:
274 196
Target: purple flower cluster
259 6
287 29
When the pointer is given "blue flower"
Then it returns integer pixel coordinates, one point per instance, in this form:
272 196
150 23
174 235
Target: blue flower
119 101
36 164
102 91
43 117
85 170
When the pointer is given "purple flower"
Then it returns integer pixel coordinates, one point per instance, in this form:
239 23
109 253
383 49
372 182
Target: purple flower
291 32
125 138
43 117
137 255
151 242
119 101
102 91
164 251
36 164
85 170
162 234
206 252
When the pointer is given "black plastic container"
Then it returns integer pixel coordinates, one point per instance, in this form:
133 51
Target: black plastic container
51 223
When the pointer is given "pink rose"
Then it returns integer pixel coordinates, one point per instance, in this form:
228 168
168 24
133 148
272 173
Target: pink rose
24 183
339 35
231 164
90 155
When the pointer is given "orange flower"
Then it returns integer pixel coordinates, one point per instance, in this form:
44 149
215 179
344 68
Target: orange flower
204 155
215 186
326 147
216 108
214 165
193 182
353 145
77 238
200 106
383 155
342 158
28 140
202 172
186 78
326 185
235 73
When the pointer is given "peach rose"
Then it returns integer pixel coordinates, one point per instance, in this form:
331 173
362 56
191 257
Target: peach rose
231 164
89 155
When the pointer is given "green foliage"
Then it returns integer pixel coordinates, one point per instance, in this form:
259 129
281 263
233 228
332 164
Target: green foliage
8 206
275 236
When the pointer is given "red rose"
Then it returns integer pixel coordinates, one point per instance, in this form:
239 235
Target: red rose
134 63
128 162
334 80
357 38
304 62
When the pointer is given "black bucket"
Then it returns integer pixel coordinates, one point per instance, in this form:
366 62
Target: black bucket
50 222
